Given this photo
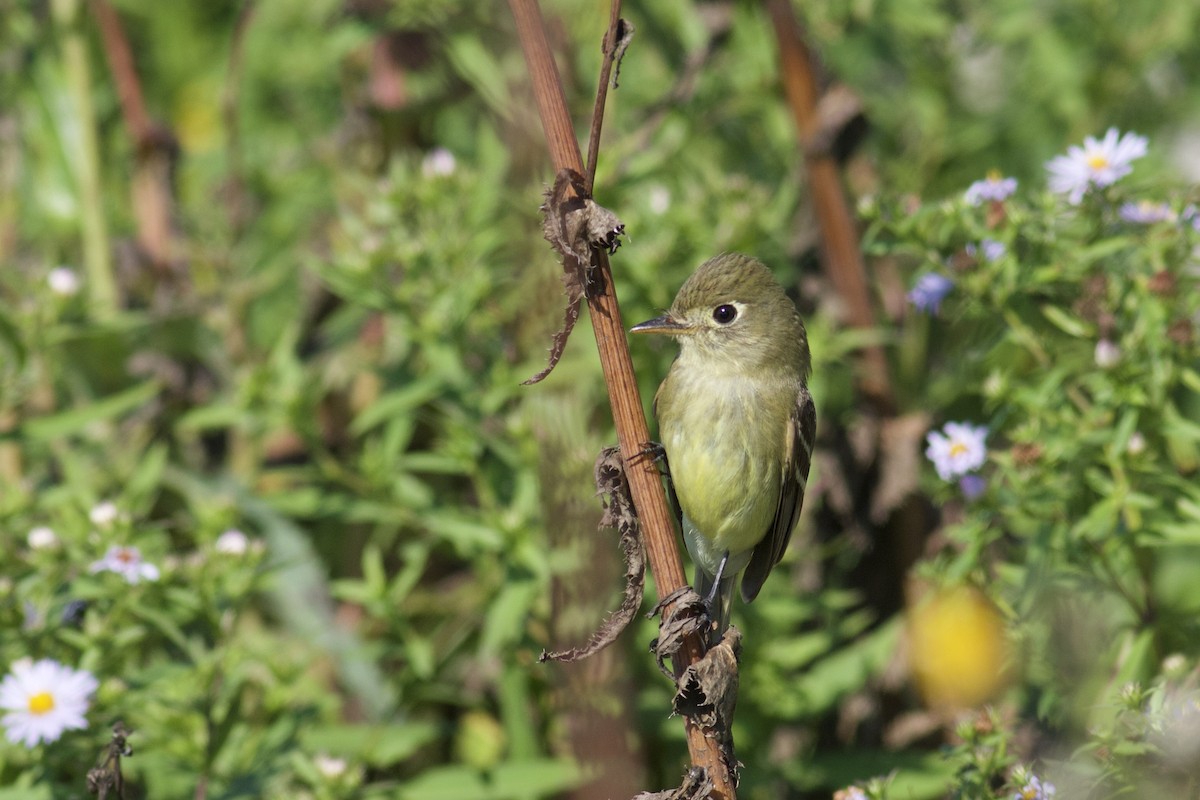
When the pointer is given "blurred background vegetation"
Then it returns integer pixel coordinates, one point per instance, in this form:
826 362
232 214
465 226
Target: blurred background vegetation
312 281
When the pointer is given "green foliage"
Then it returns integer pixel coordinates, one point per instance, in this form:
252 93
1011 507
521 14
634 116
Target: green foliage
1075 343
332 363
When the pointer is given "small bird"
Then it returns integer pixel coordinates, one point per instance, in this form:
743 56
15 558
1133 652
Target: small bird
737 423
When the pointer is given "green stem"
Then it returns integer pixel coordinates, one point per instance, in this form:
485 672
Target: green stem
97 263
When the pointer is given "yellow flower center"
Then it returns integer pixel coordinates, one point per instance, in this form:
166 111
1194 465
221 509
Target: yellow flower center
957 449
1029 793
41 703
994 175
1097 161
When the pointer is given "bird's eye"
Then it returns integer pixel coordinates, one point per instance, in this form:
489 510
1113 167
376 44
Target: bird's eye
725 314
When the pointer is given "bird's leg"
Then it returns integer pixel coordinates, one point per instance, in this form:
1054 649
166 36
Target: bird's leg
715 589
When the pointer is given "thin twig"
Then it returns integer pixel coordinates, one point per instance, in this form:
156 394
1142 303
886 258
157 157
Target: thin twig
843 259
612 45
645 484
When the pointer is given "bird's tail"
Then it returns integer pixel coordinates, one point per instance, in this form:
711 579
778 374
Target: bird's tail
722 603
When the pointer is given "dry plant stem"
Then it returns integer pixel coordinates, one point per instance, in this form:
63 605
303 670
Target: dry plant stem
610 43
645 484
843 259
153 200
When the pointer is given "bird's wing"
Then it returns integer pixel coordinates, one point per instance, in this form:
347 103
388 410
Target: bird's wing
800 436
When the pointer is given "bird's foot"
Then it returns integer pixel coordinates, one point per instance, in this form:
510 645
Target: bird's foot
655 451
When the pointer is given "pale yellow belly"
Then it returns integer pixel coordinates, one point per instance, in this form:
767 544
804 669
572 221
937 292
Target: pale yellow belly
727 488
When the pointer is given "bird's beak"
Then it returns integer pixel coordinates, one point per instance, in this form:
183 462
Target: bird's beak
665 324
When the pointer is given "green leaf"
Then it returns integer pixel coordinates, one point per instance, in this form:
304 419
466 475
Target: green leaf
1072 326
76 420
376 745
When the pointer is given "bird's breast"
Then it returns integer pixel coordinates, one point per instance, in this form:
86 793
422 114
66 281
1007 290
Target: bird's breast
724 448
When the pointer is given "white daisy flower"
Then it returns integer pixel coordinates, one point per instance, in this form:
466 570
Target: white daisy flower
1107 354
42 538
103 515
439 163
63 281
957 449
330 766
126 562
659 199
232 542
1097 164
43 699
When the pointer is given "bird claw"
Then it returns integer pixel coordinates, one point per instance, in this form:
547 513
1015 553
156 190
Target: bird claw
658 453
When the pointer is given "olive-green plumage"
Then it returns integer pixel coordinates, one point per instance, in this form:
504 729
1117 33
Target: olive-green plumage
736 421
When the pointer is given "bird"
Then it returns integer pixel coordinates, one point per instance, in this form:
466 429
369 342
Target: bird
737 424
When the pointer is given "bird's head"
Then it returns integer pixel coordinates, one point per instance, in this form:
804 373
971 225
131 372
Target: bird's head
733 312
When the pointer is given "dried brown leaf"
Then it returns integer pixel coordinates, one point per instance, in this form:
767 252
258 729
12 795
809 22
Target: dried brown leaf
696 786
684 614
619 513
707 693
573 224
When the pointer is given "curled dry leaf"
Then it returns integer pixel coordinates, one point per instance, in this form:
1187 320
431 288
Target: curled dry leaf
573 224
696 786
707 693
683 614
625 32
619 513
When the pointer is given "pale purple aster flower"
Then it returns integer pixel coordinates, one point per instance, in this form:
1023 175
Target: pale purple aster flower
929 292
439 162
1145 212
957 449
126 562
1036 789
1191 214
995 187
990 249
1097 164
43 699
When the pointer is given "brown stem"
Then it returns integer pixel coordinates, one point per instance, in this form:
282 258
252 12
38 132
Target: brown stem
842 260
645 483
154 144
610 47
120 61
235 186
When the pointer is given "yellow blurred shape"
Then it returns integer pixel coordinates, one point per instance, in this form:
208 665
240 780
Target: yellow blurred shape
197 116
480 741
958 649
